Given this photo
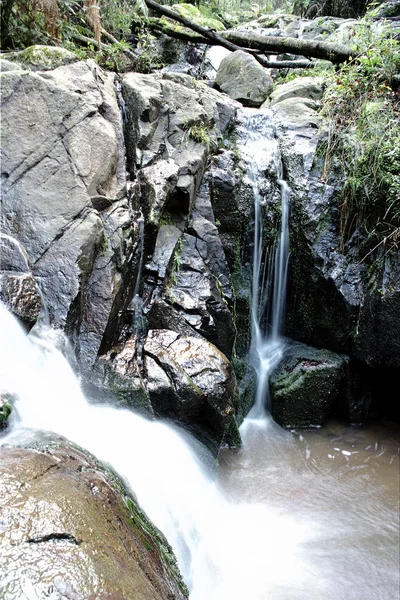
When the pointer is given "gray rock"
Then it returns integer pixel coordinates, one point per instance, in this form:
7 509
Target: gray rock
63 172
116 379
244 79
90 540
310 88
201 391
18 289
305 386
21 295
41 58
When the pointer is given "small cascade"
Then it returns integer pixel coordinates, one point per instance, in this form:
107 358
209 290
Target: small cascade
260 152
226 551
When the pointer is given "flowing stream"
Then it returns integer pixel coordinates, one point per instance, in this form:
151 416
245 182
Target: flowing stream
310 516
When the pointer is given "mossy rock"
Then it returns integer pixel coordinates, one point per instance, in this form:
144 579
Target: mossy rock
5 410
305 386
190 12
41 58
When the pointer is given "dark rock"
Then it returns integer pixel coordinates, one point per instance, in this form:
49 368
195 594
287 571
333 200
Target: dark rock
305 386
199 294
377 338
196 385
116 379
6 406
21 295
18 289
90 540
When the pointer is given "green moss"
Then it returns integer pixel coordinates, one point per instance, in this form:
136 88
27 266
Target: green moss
42 57
232 435
198 16
365 138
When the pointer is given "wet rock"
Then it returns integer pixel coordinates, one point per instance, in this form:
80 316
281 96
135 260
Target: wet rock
6 406
244 79
18 289
21 295
72 529
305 386
200 389
198 292
171 122
58 155
377 338
116 379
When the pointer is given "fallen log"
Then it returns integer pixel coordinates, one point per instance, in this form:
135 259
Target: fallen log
239 40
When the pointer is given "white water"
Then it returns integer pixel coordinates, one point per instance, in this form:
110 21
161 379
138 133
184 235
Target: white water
260 153
226 551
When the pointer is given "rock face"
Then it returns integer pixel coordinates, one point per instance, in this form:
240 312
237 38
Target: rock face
71 529
63 180
336 299
305 386
74 226
244 79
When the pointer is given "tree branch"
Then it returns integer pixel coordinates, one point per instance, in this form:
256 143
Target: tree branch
251 42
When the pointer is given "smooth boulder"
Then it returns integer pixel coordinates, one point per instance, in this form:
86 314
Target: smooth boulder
70 529
244 79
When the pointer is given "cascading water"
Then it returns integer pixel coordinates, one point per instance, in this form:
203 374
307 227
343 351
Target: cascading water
260 153
226 551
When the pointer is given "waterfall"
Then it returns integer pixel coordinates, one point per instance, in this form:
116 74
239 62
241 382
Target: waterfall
225 551
260 153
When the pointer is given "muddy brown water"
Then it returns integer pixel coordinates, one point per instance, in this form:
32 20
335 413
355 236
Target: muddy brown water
343 484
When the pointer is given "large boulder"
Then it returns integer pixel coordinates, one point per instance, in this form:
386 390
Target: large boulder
64 182
189 379
70 529
305 386
244 79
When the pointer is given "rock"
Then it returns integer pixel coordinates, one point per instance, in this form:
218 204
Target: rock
64 180
72 529
116 379
377 337
21 295
310 88
171 122
41 58
6 406
198 292
197 386
18 289
244 79
305 386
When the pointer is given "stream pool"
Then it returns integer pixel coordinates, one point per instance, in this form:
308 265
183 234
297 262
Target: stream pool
342 483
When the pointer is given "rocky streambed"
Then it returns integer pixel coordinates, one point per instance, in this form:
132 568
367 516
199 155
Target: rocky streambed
127 223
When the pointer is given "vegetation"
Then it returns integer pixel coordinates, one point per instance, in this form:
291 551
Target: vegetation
362 105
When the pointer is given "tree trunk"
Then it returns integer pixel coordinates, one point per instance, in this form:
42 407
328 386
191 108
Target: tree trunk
250 42
336 53
194 38
5 14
